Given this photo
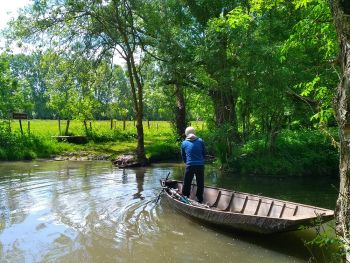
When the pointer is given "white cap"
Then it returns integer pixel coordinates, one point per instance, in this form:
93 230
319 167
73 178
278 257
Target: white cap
190 130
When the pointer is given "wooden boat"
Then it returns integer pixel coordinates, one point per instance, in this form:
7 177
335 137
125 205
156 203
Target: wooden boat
243 211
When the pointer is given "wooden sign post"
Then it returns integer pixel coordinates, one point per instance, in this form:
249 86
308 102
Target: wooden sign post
20 117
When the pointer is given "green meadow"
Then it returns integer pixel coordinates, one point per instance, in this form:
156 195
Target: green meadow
38 139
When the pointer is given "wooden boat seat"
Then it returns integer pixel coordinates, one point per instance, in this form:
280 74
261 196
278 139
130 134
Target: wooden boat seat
216 201
245 204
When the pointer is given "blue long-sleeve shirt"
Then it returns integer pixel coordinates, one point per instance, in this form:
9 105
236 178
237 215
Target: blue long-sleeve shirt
193 152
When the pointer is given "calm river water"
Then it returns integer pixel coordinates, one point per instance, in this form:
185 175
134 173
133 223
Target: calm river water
93 212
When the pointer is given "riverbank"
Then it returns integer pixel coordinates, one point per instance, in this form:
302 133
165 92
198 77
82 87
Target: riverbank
301 153
104 142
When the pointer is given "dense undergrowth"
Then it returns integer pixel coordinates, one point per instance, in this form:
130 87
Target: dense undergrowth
296 153
15 146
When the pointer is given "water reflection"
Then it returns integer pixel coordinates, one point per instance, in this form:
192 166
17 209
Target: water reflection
140 177
93 212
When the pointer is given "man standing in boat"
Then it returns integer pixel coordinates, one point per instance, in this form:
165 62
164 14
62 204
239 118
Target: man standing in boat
193 152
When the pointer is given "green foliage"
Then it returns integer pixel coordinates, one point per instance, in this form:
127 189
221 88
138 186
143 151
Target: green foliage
332 246
163 151
13 94
311 51
218 143
297 153
253 68
15 146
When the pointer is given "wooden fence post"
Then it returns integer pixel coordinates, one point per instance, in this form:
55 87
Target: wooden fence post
20 125
20 117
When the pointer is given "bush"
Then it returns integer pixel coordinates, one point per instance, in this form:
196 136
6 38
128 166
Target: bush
163 151
15 146
301 153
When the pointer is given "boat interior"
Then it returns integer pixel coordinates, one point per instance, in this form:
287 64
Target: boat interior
249 204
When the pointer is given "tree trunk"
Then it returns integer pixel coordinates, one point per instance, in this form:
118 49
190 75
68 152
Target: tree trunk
180 111
137 94
59 126
86 128
67 127
341 15
225 110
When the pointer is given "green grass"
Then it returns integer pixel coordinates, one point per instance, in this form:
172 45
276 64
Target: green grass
160 142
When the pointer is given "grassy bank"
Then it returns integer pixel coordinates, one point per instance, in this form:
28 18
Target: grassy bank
297 153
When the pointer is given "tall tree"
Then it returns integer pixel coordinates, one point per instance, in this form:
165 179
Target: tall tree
96 29
213 55
14 95
341 14
172 45
61 88
29 71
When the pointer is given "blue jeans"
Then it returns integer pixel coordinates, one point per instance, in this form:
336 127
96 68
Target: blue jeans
190 172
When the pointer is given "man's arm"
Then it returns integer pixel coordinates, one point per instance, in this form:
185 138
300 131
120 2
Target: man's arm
183 153
204 150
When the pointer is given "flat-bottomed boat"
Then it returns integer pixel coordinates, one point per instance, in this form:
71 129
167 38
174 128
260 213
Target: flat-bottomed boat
243 211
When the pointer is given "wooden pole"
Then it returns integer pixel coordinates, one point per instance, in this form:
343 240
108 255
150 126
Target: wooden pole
111 124
28 126
148 124
59 127
124 125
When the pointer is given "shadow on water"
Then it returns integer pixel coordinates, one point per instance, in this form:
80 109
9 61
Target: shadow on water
293 244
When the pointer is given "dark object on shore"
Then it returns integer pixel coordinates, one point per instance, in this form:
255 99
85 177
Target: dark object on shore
78 139
126 160
247 212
